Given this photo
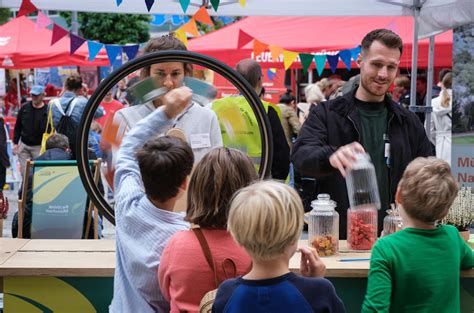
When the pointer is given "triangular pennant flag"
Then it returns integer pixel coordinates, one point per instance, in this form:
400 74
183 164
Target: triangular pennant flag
275 51
131 51
94 48
180 33
242 3
58 33
117 62
119 2
345 56
333 60
288 58
112 52
26 8
76 42
184 4
320 61
306 60
244 38
42 21
355 53
149 4
215 4
202 16
191 27
259 47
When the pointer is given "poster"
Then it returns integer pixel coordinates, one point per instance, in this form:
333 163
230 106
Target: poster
463 105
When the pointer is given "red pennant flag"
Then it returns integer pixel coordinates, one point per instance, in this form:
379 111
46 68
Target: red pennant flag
259 47
244 38
202 16
58 33
26 8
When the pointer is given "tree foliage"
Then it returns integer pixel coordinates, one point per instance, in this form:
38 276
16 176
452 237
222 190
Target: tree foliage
4 15
112 28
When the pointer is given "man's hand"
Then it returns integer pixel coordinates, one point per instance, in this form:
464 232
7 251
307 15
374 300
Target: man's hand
311 264
343 159
176 100
15 149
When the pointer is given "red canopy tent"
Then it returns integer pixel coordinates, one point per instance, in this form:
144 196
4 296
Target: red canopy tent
22 46
315 34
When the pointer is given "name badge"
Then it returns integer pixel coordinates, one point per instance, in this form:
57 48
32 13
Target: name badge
200 141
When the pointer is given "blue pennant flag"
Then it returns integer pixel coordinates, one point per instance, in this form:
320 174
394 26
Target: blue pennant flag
119 2
94 48
355 53
149 4
112 52
345 56
131 51
333 60
320 61
117 62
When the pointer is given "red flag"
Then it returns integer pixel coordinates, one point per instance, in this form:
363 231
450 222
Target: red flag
244 38
58 33
26 8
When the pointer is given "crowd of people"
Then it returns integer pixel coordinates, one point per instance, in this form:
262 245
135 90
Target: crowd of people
234 242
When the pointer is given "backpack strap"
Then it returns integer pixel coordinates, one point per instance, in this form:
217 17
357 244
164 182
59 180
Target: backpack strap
207 252
71 104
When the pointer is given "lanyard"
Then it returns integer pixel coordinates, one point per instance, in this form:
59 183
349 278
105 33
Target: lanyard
182 114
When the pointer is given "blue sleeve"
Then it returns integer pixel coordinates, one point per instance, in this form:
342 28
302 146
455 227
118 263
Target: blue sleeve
320 294
224 293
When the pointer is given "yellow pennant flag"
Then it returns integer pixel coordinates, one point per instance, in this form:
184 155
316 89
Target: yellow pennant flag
275 51
180 33
191 27
242 3
288 58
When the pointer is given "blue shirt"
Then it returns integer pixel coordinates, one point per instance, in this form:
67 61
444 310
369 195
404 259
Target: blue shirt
287 293
142 230
79 108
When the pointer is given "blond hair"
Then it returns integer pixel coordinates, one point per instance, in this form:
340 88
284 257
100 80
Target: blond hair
313 94
445 96
427 189
266 218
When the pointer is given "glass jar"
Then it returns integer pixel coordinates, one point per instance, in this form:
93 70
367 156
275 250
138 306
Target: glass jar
361 182
393 221
323 226
361 228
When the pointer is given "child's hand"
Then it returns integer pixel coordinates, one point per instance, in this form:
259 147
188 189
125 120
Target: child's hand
176 100
311 264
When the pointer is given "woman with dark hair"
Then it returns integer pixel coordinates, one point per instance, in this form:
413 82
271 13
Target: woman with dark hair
184 274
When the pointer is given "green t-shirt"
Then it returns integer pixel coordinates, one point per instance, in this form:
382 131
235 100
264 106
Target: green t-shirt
417 270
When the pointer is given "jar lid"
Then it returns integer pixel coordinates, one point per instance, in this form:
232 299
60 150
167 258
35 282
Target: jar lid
323 203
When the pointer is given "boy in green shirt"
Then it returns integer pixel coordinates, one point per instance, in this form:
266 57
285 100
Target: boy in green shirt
417 269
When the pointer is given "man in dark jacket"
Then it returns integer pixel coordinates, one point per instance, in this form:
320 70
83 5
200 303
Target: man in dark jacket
364 120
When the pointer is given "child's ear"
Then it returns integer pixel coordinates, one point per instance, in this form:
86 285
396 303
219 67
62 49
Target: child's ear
398 196
184 184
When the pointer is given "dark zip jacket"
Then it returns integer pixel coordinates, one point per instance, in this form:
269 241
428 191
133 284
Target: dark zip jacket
336 123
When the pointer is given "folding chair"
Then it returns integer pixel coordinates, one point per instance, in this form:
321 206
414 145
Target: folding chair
58 200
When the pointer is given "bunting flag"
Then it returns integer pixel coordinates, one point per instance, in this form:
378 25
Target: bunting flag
149 4
119 2
131 51
244 39
42 21
184 4
259 47
26 8
94 48
58 33
306 60
275 51
113 51
215 4
76 42
202 16
181 35
333 60
191 27
346 56
320 61
355 53
288 58
242 3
